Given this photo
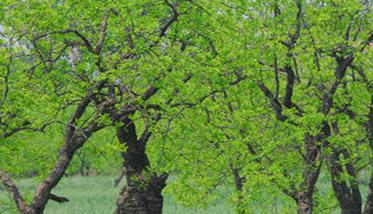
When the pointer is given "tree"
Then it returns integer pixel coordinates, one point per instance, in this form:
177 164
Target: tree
20 86
306 72
187 85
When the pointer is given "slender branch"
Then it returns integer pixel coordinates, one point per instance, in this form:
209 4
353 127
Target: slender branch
101 40
277 81
26 128
171 20
68 31
275 103
57 198
149 93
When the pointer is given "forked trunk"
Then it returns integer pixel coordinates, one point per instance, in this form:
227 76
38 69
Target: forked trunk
312 161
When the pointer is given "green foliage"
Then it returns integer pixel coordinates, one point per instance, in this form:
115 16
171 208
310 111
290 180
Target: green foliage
216 123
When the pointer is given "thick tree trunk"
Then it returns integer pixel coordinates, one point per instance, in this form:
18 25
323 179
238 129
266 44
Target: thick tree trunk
350 210
347 191
142 196
312 162
348 196
143 191
304 203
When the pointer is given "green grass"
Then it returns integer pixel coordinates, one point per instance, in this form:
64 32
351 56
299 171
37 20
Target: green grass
96 195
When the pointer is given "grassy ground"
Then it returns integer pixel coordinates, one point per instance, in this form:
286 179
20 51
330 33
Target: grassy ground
96 195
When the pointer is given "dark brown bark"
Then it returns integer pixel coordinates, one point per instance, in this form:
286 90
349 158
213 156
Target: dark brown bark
13 190
312 165
74 139
348 196
43 192
347 192
275 103
303 195
142 195
311 156
143 192
238 183
304 203
289 87
368 208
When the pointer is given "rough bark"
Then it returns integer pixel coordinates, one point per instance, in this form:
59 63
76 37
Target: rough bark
348 196
142 195
304 203
347 192
13 190
311 171
143 192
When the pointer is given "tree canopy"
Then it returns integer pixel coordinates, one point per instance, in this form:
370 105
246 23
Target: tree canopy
264 98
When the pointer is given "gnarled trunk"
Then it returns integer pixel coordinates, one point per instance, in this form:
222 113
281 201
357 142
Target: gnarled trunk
141 195
304 203
143 191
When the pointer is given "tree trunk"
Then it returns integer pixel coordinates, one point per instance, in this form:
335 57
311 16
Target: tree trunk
142 196
348 196
43 192
368 209
311 171
238 183
347 191
143 191
304 203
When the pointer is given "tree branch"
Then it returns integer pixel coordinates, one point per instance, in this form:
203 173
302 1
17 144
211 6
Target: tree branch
275 103
57 198
101 40
77 33
163 29
13 190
